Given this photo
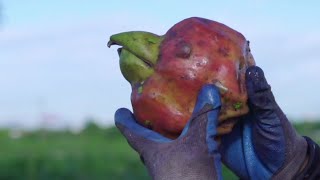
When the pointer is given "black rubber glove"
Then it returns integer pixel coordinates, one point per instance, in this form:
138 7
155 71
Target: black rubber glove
193 156
263 144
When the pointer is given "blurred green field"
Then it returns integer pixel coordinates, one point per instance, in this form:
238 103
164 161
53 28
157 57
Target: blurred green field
95 153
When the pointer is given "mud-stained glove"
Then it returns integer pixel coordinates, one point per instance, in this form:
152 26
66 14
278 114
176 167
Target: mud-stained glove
192 156
263 144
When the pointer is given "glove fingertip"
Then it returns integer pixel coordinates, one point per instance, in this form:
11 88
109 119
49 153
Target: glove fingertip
123 116
208 95
128 126
209 103
255 80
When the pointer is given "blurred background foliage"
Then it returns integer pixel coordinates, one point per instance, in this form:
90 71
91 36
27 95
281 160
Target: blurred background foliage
93 153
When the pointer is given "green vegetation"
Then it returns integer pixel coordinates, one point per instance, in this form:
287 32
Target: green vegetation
95 153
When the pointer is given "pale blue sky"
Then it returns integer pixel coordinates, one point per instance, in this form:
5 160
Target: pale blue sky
54 56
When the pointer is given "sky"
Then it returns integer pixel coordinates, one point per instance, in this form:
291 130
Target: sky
56 69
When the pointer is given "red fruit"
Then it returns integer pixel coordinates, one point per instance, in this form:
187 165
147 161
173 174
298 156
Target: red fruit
167 72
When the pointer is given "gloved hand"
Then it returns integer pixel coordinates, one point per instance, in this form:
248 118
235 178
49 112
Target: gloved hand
263 144
192 156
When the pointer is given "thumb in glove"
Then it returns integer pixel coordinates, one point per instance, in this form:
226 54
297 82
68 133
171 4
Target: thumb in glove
193 155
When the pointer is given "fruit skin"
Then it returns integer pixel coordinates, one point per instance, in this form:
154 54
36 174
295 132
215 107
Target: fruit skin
193 52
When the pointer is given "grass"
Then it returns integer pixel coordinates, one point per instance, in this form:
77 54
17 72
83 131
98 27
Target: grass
93 154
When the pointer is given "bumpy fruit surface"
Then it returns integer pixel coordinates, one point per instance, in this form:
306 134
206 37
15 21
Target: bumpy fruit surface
166 72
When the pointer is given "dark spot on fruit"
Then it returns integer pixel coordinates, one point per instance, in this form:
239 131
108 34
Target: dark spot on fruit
171 34
183 50
202 43
225 51
248 47
185 78
189 26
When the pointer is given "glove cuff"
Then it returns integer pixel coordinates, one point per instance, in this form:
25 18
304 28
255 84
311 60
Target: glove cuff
294 162
312 168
